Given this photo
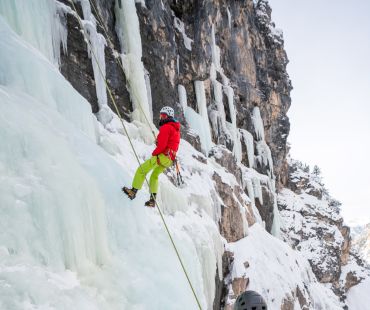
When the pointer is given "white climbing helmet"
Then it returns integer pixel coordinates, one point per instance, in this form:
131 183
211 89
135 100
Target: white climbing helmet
167 110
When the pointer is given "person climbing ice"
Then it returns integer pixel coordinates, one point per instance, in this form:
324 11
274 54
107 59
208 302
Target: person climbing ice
164 154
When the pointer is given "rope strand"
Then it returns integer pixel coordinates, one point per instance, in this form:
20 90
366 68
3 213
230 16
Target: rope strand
137 158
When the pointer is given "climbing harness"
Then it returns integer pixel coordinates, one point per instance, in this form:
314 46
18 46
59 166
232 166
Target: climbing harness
133 148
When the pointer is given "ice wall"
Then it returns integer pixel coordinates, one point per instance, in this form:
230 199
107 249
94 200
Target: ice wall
69 237
40 175
20 15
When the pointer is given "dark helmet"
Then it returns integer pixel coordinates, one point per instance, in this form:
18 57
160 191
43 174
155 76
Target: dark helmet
250 300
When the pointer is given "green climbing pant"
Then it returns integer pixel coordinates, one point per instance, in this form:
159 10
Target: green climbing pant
156 163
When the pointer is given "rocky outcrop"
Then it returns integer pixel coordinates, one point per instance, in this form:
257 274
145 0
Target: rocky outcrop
313 225
231 225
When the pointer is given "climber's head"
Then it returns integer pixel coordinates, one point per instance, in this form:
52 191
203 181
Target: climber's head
250 300
166 112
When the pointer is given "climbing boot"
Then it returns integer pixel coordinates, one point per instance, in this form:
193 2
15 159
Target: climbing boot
130 192
151 202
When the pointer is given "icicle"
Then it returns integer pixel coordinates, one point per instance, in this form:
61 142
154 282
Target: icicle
205 133
277 223
228 17
235 134
178 64
217 92
149 92
258 124
182 96
215 50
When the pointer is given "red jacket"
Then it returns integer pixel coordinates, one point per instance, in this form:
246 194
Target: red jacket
168 139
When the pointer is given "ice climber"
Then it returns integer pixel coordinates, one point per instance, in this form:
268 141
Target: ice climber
168 141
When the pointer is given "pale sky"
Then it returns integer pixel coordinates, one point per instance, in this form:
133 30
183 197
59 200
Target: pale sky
328 46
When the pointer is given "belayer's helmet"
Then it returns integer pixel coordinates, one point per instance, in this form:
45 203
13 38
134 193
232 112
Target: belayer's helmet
250 300
167 110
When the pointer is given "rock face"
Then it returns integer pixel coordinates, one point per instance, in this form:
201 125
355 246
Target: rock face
251 55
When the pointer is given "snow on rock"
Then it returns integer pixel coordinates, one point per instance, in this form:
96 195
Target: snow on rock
179 25
281 275
312 224
263 11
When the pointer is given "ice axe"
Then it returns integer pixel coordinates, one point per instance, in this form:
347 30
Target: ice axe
180 181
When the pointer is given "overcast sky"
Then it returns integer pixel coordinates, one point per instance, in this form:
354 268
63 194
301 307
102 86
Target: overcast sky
328 46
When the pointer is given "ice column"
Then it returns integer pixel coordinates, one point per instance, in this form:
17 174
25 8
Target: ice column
215 51
258 124
219 118
235 134
264 157
149 92
128 30
228 16
182 96
205 133
97 55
